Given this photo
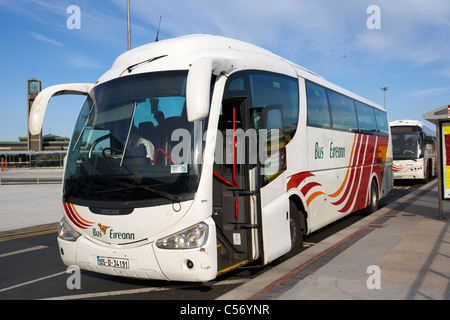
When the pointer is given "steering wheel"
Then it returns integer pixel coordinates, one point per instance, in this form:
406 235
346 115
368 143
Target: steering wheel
112 152
98 140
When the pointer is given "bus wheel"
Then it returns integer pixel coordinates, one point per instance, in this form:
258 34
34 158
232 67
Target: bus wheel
297 229
374 197
428 174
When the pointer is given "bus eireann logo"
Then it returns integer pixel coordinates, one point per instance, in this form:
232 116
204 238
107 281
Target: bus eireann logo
103 228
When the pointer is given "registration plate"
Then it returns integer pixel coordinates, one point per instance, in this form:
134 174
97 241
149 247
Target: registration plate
113 262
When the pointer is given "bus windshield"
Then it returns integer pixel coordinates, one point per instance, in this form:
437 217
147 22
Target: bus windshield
405 142
133 146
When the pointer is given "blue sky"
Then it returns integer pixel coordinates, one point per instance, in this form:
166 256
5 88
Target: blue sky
410 54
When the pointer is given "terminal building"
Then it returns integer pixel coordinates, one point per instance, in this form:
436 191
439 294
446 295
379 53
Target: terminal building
16 154
33 150
50 142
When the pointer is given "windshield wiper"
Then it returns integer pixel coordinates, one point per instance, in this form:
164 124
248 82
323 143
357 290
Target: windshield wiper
166 195
134 66
162 194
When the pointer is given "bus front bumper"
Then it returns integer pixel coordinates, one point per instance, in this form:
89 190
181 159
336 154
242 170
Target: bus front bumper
145 261
410 174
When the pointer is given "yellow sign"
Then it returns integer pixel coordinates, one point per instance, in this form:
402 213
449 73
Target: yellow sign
446 158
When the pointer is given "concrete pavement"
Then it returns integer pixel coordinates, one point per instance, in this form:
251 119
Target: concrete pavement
401 252
24 206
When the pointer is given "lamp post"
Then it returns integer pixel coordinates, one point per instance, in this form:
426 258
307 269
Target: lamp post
384 89
128 19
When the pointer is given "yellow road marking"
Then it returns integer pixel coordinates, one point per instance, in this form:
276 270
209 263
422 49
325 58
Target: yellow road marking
27 235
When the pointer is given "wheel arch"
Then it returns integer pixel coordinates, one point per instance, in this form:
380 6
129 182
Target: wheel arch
300 208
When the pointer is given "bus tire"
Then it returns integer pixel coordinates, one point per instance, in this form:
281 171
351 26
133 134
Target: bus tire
428 173
296 221
374 198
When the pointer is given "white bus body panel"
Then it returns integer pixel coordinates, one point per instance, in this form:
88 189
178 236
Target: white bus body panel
409 169
146 261
275 219
336 180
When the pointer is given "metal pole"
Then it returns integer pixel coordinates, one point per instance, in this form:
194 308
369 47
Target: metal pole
439 150
129 32
384 89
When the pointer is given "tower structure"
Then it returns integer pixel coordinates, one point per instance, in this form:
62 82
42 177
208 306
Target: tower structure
33 89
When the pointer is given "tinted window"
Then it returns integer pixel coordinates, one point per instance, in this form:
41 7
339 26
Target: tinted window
366 118
318 110
346 114
269 89
237 84
343 112
382 122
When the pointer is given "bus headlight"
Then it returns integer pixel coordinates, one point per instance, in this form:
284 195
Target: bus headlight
66 232
192 237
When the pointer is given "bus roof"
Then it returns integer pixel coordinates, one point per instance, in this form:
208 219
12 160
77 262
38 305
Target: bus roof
179 54
406 123
428 131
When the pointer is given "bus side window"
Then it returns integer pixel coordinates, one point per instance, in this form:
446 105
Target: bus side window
318 109
366 118
273 89
343 112
382 123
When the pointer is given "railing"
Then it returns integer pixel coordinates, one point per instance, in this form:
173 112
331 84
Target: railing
31 167
31 176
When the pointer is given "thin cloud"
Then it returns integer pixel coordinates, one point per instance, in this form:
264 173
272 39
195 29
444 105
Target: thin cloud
289 26
40 37
430 92
78 60
445 72
414 31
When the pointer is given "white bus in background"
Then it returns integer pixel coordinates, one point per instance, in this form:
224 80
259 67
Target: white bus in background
414 150
196 155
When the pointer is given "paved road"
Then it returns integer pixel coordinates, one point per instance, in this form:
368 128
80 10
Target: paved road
31 268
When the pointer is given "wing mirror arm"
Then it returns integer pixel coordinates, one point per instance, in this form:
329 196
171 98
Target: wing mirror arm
40 104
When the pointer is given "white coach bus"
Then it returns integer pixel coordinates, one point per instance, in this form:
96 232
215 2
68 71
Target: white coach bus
196 155
414 150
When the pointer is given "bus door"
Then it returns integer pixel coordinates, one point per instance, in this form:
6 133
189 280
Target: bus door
235 198
275 219
250 204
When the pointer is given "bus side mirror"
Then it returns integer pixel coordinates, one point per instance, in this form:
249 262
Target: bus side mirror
272 117
423 136
40 104
198 87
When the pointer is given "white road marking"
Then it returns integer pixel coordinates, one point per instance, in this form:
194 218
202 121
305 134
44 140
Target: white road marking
32 281
22 251
141 290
